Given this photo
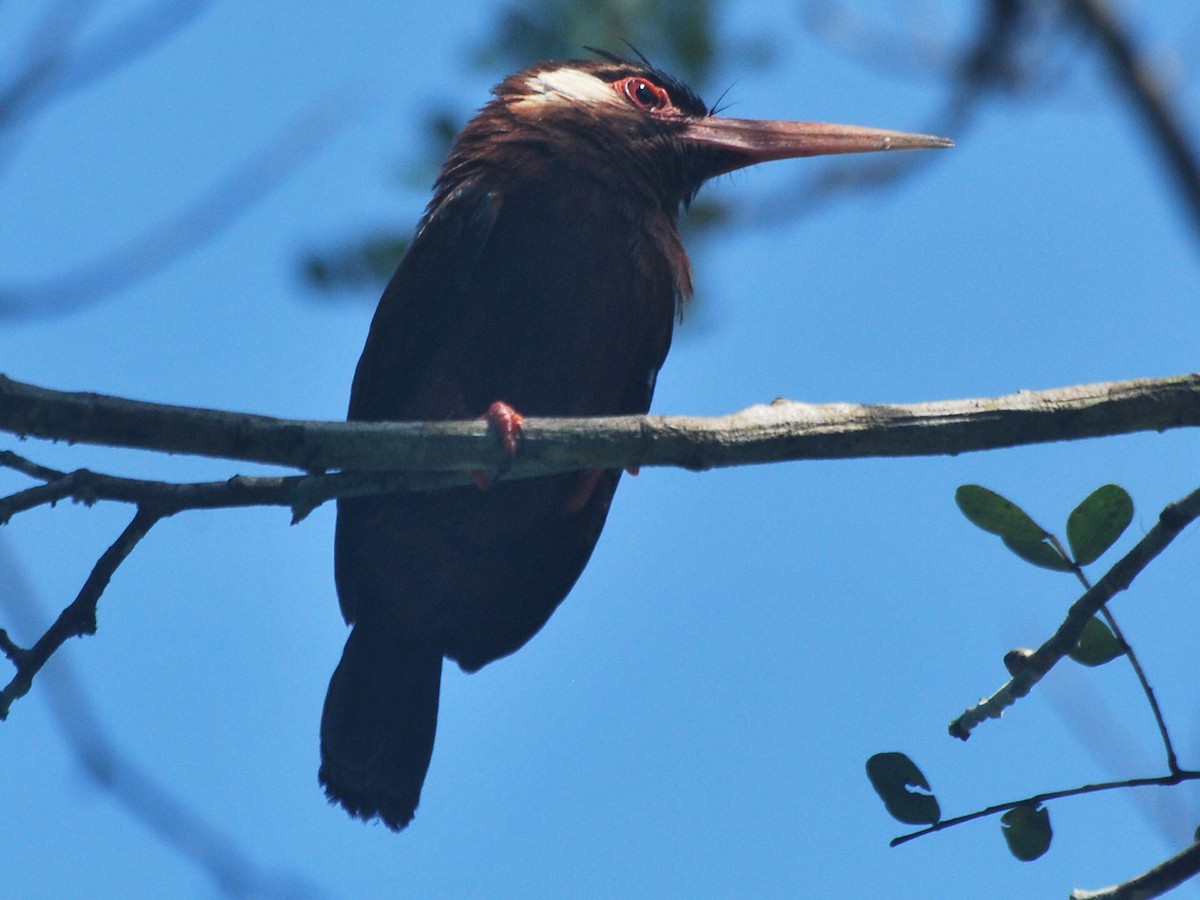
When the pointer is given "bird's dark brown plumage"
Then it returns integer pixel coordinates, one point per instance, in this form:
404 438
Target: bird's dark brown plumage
547 273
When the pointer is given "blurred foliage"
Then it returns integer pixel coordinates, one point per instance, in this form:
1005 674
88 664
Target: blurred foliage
678 36
366 260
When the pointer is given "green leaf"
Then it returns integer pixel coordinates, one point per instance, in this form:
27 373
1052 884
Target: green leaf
893 775
1026 829
991 512
1097 645
1098 521
1040 553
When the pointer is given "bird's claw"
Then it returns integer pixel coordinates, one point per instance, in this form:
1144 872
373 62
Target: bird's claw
507 422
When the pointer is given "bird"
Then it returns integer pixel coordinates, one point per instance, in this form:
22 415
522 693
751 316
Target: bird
544 279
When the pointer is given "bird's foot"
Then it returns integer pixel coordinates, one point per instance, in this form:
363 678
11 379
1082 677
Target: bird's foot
507 422
587 486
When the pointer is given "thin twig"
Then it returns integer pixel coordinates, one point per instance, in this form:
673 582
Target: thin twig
1131 655
187 229
1149 98
1170 523
231 868
42 58
79 618
53 68
301 493
1038 799
1151 697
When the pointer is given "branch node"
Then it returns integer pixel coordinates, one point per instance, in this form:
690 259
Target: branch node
13 651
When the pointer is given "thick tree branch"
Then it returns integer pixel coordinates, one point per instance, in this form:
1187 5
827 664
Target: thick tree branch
424 456
783 430
1170 523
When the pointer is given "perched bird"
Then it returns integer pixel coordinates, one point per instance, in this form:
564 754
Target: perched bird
545 277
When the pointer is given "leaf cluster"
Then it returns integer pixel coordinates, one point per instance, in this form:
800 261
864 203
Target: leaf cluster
1091 529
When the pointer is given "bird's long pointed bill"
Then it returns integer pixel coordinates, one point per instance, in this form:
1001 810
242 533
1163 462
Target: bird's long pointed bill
750 141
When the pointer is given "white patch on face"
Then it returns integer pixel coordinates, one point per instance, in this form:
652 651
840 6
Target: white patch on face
571 84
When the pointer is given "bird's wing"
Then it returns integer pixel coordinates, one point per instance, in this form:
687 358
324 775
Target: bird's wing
421 306
488 305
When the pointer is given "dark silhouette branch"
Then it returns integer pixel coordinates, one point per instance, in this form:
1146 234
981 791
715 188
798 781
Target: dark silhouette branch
1164 877
1170 523
1148 96
78 619
1131 655
300 493
230 868
783 430
1039 799
1034 665
1157 881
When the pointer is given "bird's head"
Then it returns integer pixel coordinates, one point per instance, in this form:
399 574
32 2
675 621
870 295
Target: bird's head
627 124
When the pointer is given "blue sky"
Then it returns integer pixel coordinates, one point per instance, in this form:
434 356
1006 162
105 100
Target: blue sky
695 719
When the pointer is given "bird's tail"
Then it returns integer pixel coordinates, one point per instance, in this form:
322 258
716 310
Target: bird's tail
378 725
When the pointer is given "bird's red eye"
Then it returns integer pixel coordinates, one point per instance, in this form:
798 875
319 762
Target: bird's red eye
644 94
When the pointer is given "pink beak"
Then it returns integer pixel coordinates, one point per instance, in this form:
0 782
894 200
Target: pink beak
745 142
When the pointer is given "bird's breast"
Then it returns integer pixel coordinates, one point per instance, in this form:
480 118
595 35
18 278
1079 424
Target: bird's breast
571 305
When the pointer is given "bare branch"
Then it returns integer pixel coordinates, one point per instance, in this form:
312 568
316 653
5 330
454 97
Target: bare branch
421 455
42 58
1007 54
783 430
168 817
78 619
1129 653
157 500
1170 523
189 228
301 493
1038 799
1166 876
1149 98
53 69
